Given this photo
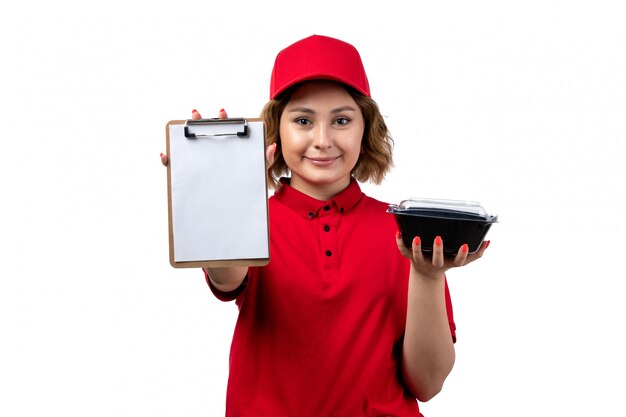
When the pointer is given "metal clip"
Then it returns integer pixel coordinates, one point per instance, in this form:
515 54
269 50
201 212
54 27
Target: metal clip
242 133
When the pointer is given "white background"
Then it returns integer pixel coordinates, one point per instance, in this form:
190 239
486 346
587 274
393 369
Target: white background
518 105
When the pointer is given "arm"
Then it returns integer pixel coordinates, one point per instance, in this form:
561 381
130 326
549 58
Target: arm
227 279
224 279
428 350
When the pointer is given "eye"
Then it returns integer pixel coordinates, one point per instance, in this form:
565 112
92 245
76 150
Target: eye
342 121
303 121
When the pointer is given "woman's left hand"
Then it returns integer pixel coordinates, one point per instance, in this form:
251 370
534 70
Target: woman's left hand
435 264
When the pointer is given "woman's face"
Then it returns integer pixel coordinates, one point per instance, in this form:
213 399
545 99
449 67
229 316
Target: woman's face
321 130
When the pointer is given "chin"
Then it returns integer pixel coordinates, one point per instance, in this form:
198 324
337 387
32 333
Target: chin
326 181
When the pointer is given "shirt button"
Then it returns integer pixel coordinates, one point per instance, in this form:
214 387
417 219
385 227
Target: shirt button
341 210
311 214
326 228
326 208
329 253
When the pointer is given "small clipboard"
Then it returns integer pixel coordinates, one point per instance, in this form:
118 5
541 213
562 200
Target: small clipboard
217 193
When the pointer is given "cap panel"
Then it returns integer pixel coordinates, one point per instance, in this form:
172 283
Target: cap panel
318 57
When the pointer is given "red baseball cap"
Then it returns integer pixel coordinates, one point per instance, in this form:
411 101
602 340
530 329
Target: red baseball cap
318 57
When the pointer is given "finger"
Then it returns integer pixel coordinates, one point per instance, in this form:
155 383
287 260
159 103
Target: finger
164 159
401 246
479 253
222 114
461 256
269 154
483 247
438 260
418 255
195 115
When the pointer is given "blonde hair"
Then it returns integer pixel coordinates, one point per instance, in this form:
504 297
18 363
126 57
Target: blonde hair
375 159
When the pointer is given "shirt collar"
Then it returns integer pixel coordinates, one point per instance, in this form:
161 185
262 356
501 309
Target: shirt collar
310 207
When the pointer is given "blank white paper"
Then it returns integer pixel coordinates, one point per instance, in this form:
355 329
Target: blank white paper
219 193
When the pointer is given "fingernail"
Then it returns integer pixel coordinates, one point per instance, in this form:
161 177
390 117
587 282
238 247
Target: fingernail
222 110
438 241
487 244
465 248
161 155
417 241
194 111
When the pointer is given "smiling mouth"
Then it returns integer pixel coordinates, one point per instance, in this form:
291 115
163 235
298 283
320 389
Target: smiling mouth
322 161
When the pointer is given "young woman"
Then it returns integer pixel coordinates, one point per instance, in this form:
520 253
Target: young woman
344 320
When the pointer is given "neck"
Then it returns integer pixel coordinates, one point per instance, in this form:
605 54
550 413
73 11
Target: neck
323 192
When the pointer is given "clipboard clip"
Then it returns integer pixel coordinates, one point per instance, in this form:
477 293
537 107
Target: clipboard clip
238 121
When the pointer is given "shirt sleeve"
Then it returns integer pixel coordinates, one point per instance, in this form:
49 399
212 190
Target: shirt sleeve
450 314
223 295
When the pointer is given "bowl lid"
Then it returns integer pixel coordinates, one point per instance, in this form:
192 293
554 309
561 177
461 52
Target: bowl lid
440 208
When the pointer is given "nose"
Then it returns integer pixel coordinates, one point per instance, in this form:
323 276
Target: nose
323 137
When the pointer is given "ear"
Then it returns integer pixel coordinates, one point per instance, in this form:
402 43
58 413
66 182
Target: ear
270 154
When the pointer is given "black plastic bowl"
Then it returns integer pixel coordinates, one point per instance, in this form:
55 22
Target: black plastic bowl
454 227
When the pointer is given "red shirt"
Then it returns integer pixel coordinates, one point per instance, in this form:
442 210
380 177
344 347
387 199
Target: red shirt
320 328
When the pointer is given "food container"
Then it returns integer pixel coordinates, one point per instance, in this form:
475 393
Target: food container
456 221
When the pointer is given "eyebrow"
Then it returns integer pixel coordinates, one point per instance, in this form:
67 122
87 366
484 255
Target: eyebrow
311 111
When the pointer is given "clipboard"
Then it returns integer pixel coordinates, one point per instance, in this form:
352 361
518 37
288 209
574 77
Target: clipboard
217 193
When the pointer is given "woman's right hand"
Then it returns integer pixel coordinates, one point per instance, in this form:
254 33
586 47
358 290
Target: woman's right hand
195 115
269 153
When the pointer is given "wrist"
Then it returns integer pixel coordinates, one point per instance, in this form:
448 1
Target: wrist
431 277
